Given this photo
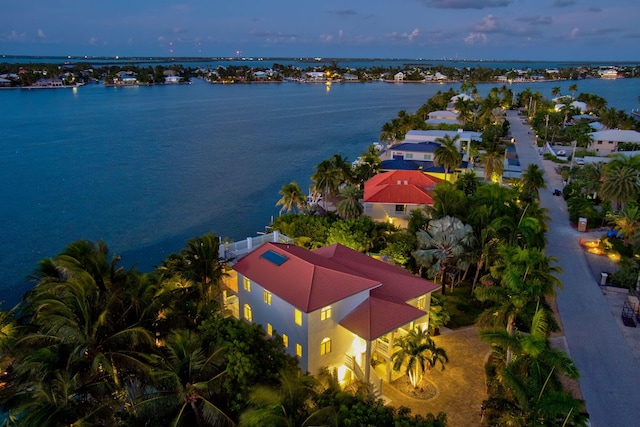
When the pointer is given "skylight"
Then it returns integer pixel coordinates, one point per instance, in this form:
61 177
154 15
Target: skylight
274 257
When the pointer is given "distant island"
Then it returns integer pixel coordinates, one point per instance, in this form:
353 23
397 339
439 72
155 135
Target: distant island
139 71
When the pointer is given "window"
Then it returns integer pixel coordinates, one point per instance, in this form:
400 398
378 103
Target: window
421 303
274 257
285 340
427 157
267 297
247 313
298 350
297 316
325 346
325 313
247 284
269 329
400 208
408 156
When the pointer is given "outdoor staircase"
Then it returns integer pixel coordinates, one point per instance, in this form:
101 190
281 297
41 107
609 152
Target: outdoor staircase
374 381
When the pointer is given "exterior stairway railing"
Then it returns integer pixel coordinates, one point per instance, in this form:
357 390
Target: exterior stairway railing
374 380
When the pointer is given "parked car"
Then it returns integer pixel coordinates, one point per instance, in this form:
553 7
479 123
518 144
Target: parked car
562 153
579 161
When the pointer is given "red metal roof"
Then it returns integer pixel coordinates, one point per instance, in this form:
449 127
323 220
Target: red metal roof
400 187
310 280
305 280
376 317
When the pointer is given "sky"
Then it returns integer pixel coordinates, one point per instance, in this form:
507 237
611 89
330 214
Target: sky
554 30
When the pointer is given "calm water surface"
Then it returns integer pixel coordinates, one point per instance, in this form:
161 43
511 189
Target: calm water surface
147 168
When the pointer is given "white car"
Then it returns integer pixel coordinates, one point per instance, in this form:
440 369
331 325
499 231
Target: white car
562 153
579 161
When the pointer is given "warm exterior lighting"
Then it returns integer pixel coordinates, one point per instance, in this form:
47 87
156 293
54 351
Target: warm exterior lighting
358 345
342 373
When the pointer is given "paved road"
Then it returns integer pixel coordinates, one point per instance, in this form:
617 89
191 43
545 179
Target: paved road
610 374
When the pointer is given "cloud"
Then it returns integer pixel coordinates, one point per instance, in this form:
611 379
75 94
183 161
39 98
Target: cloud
535 20
13 36
563 3
177 30
342 12
594 9
41 34
475 38
574 33
404 36
326 38
94 41
272 35
488 24
466 4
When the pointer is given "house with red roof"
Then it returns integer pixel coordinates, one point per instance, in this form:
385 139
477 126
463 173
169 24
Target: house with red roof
334 307
391 196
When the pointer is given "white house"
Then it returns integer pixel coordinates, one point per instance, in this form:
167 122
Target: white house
606 141
334 307
463 142
399 76
444 117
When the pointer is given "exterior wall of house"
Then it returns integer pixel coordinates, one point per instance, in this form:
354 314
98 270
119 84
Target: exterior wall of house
412 155
387 211
281 316
341 338
604 148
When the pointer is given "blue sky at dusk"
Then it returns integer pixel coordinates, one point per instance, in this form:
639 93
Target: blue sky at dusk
434 29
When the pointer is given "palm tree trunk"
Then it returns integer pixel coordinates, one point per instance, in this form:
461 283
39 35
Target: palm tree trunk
479 266
443 274
511 320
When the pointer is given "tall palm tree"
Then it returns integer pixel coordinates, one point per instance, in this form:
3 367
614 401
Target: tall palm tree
187 377
448 200
573 88
291 404
492 161
532 181
327 180
293 199
420 354
620 185
349 205
627 222
447 154
465 109
445 242
517 285
532 378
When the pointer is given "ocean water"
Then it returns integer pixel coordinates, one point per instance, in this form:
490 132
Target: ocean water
147 168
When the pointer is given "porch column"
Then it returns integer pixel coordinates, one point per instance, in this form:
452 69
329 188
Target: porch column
249 243
367 362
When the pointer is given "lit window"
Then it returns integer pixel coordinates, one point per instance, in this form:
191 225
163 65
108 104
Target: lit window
298 350
267 297
247 313
325 346
421 303
247 284
285 340
325 313
269 329
298 317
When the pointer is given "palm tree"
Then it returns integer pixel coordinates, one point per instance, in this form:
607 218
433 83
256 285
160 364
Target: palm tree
532 378
349 205
492 160
627 222
420 354
573 88
555 91
532 181
368 165
620 185
293 199
447 200
327 180
291 404
447 154
187 378
445 242
465 110
517 284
